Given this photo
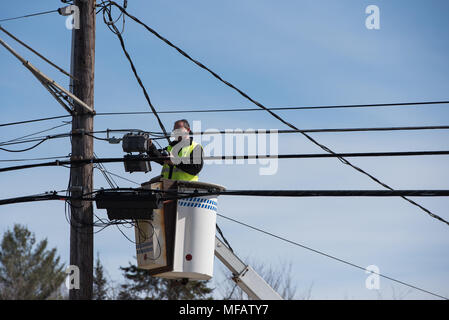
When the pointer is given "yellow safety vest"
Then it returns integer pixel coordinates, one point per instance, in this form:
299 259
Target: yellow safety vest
176 173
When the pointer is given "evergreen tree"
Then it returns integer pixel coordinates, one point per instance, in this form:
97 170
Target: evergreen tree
27 269
100 287
141 285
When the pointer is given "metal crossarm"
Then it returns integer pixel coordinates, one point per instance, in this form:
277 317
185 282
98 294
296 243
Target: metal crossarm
68 101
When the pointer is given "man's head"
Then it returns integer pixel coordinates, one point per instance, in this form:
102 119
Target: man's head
181 129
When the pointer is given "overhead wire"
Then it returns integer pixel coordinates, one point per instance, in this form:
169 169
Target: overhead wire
160 135
29 15
33 120
101 168
121 177
223 237
113 185
279 131
33 159
260 105
232 157
329 256
26 149
203 110
36 53
177 195
35 133
110 23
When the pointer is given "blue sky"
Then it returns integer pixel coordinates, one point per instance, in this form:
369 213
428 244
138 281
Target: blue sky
288 53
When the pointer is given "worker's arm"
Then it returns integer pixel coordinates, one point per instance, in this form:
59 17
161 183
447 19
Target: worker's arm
154 152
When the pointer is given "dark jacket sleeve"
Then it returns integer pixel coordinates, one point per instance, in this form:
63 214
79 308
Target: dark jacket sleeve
196 162
154 152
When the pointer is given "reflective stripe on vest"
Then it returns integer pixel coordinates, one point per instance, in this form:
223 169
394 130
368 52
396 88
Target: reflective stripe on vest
178 174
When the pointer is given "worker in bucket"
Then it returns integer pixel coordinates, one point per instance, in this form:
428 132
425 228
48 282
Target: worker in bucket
185 155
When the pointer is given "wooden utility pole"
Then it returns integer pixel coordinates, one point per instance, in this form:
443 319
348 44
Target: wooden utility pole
81 177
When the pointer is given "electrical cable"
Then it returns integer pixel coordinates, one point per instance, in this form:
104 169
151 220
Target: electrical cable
106 8
33 120
329 256
139 80
232 157
29 15
245 95
281 131
33 134
156 135
37 53
123 178
175 195
223 237
203 110
27 149
322 193
34 159
49 137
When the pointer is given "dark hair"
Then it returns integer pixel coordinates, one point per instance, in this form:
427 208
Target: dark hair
185 123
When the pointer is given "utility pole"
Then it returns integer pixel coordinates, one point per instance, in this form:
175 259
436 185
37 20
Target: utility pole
81 177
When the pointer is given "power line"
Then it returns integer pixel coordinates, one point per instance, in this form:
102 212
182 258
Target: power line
327 193
121 177
37 53
29 15
49 137
157 135
65 98
336 130
205 110
329 256
177 195
33 120
160 135
260 105
111 23
279 131
107 177
330 155
33 159
34 133
232 157
27 149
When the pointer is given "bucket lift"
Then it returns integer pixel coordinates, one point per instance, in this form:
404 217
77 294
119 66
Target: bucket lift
179 241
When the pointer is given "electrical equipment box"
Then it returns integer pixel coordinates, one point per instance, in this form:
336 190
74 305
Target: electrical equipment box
137 163
135 142
179 242
137 204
